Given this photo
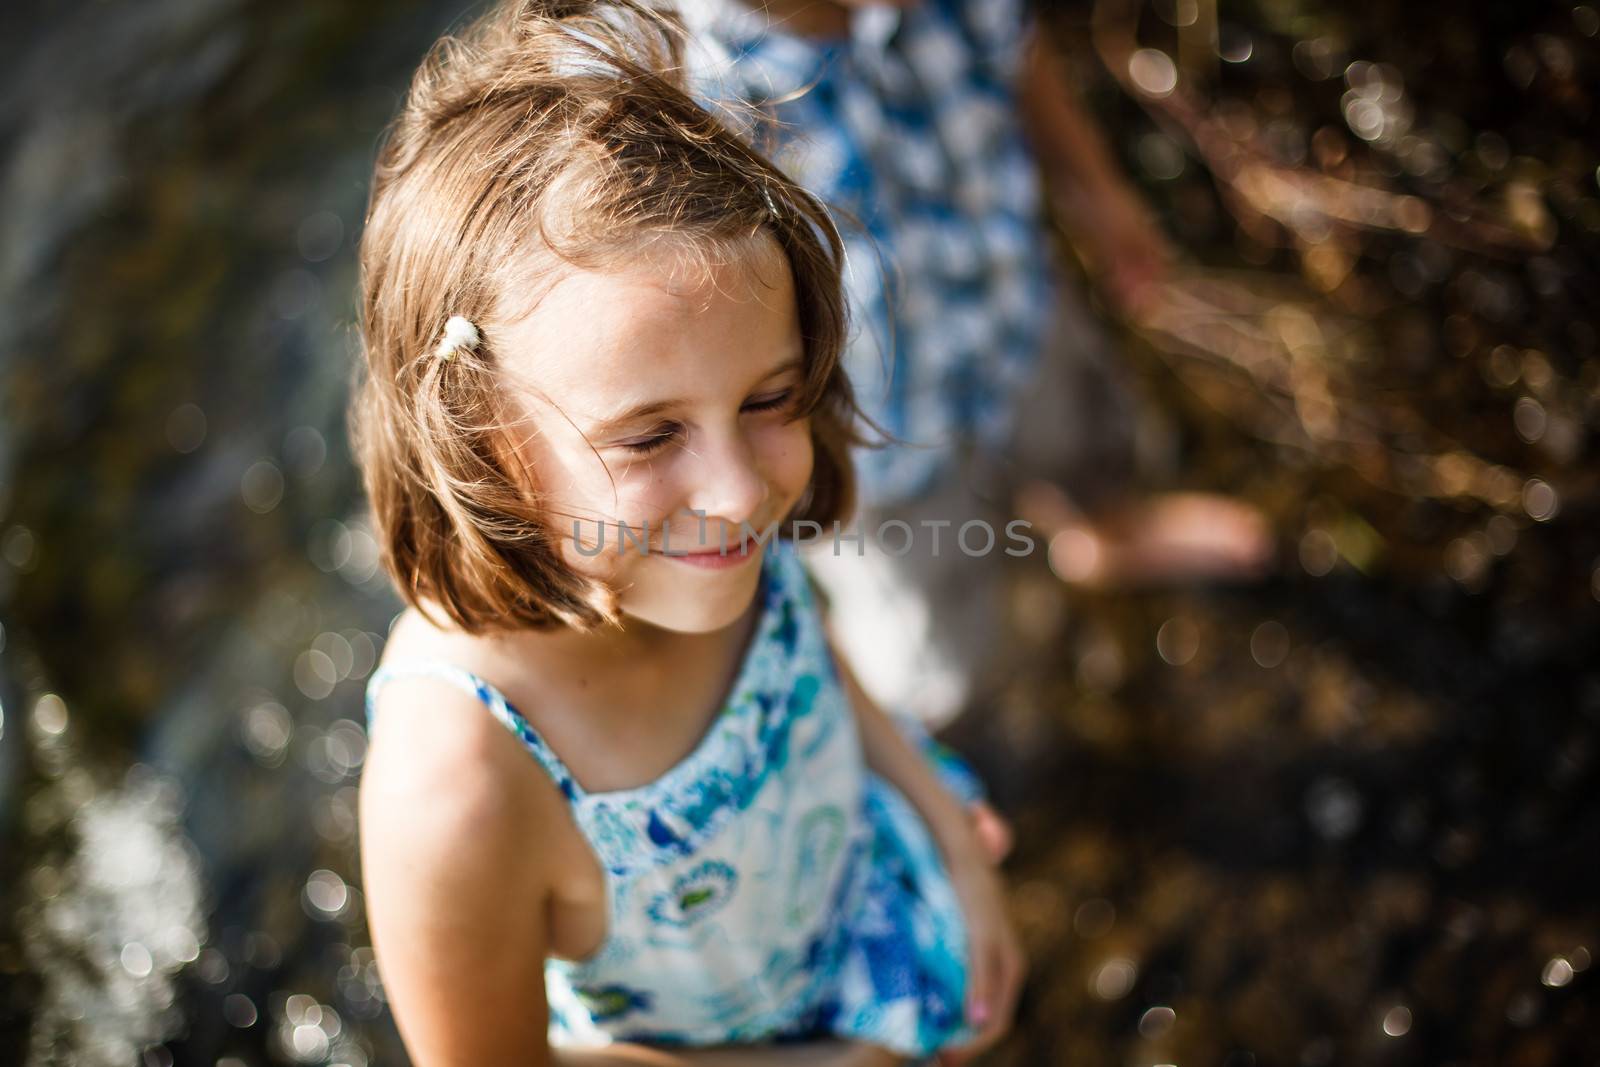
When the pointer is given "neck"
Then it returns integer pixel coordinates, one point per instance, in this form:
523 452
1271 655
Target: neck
806 18
631 644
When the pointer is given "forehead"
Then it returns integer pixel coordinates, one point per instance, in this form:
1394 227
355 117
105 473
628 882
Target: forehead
669 320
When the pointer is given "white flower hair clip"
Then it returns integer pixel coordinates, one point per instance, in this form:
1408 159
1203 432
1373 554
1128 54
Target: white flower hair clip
459 332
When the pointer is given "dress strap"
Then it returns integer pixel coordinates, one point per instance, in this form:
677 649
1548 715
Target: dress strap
498 705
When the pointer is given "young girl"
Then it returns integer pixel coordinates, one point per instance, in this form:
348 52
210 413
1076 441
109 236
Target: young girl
602 338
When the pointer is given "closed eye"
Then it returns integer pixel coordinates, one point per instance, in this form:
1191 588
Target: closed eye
770 403
653 441
659 438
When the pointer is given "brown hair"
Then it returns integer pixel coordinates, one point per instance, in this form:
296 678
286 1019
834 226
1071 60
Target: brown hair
560 127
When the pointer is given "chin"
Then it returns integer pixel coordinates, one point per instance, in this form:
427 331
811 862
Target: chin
683 600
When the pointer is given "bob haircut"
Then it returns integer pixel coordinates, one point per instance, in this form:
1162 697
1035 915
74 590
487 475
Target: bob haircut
551 133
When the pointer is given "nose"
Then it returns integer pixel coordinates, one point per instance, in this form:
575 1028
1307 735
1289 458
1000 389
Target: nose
728 482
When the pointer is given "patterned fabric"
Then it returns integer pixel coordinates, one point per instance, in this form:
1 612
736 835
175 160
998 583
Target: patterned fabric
908 130
769 886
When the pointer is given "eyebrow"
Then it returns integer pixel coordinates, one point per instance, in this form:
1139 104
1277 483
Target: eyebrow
612 423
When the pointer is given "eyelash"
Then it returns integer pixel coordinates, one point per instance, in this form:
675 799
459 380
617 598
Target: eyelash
659 440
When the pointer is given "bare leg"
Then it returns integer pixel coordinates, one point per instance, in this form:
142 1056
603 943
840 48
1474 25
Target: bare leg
1164 538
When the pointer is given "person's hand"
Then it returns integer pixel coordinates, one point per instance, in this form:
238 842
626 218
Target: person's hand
992 830
994 954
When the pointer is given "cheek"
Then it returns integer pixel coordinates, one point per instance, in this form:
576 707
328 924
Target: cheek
787 458
638 496
577 482
579 490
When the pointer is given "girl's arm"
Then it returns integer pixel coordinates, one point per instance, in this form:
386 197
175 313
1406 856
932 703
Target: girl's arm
897 761
1100 202
456 848
995 964
455 868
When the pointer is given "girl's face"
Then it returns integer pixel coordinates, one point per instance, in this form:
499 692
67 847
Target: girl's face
660 396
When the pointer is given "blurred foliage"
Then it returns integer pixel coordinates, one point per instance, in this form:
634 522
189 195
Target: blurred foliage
1345 816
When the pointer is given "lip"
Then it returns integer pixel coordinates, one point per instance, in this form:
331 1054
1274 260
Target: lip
716 559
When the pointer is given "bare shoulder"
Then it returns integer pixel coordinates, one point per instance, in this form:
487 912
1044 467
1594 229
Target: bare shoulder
441 771
438 763
422 722
415 634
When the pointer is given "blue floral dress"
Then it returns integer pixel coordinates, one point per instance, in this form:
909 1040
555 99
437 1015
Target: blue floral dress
769 887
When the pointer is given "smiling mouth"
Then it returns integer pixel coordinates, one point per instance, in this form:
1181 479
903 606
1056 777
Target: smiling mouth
739 548
734 555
